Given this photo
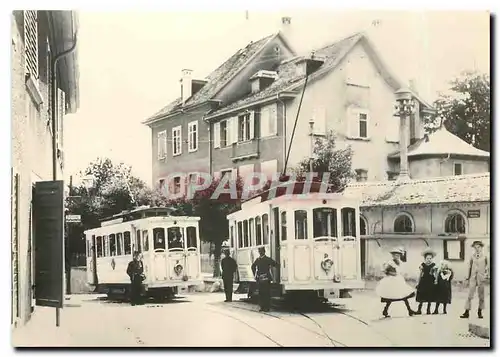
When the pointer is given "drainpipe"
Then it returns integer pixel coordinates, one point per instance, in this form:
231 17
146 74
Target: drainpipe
284 127
54 63
209 141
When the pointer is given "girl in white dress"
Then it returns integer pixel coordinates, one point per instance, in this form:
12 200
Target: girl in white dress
393 286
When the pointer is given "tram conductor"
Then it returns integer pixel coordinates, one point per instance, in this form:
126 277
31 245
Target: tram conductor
229 267
261 269
135 271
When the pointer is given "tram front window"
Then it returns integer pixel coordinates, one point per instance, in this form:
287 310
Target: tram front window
348 222
145 240
175 238
127 243
99 247
258 231
301 224
191 237
138 238
324 222
159 238
265 229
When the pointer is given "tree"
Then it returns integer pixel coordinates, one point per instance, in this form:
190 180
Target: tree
465 111
328 159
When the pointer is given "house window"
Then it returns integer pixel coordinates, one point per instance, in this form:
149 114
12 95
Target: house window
162 184
457 169
454 249
244 127
363 125
454 223
361 175
193 136
176 141
177 184
403 224
223 134
31 42
162 145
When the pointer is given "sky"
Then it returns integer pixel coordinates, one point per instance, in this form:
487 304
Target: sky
130 63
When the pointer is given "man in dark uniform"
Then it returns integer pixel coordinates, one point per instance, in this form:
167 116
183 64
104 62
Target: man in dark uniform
261 269
135 271
229 267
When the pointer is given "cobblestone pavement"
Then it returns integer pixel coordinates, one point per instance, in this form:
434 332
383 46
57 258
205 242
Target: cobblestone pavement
203 320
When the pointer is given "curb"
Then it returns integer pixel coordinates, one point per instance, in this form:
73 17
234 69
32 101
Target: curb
479 331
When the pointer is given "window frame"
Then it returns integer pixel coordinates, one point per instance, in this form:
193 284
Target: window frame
401 215
461 243
365 221
162 144
305 225
354 114
461 165
193 142
449 215
244 124
177 140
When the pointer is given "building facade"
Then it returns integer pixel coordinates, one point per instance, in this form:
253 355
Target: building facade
37 38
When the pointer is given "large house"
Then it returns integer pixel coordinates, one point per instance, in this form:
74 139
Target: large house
37 38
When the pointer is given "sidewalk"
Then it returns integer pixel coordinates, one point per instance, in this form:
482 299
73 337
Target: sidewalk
80 321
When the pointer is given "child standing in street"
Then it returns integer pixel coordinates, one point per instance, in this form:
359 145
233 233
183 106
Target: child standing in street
443 288
477 276
426 287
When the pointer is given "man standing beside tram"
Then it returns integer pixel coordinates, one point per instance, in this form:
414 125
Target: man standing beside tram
261 269
229 266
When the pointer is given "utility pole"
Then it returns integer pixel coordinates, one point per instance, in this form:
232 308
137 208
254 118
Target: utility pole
68 246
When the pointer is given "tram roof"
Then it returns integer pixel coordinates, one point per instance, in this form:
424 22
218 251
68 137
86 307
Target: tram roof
141 212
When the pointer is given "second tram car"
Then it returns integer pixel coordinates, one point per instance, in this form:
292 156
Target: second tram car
313 237
170 246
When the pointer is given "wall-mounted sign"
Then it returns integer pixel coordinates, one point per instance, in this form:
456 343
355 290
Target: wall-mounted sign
474 213
73 218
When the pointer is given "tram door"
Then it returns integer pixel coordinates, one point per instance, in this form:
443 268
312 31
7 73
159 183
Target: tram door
159 254
275 236
92 262
176 255
193 268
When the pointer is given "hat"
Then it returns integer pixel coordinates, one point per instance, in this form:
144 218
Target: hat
397 250
477 242
428 251
261 249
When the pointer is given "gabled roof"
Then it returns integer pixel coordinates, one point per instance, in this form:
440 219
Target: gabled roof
218 78
463 188
441 142
290 78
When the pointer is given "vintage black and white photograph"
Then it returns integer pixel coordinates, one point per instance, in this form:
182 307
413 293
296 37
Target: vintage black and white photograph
210 177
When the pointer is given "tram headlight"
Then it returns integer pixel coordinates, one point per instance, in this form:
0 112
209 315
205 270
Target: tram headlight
336 278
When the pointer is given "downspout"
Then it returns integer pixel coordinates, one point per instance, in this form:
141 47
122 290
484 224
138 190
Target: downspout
209 141
54 63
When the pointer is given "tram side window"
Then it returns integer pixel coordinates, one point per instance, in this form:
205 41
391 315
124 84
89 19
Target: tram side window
251 232
174 238
240 235
191 237
138 238
159 238
283 225
105 240
258 231
348 222
145 240
231 236
265 228
99 247
246 242
127 243
324 222
119 244
112 245
301 224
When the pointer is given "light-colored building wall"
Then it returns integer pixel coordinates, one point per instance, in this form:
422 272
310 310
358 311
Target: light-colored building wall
428 220
333 95
439 167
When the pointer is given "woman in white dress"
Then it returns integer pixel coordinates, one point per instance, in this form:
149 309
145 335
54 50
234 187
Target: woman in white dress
393 286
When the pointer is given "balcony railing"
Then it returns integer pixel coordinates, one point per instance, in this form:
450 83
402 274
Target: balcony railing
245 150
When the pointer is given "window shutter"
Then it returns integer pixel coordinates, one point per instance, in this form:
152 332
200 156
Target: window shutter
217 135
264 122
31 42
273 120
352 123
252 125
319 116
234 129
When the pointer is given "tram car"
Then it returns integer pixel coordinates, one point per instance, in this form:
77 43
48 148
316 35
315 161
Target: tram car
313 237
170 248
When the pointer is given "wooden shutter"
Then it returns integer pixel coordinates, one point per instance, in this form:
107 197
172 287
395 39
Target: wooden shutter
31 42
217 135
252 125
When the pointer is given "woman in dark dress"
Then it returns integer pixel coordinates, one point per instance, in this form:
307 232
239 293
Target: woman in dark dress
426 288
443 288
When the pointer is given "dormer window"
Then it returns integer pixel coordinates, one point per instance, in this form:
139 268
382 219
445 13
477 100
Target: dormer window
262 79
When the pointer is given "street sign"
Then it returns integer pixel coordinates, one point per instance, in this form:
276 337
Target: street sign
73 218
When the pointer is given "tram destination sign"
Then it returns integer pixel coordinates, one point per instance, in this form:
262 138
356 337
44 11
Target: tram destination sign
73 218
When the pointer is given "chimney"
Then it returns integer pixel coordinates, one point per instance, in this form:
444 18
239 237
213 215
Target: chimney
262 79
285 28
186 85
